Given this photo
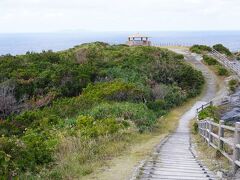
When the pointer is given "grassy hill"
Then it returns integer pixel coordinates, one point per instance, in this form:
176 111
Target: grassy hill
67 109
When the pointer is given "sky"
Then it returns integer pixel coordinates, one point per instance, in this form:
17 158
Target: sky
118 15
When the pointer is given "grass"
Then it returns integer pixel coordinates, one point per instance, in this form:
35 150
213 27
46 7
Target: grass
78 157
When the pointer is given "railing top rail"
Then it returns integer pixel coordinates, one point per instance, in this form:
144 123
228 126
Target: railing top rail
214 124
228 127
204 106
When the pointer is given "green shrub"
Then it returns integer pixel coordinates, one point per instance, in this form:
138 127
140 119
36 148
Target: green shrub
92 128
199 49
114 91
142 117
157 106
39 148
209 112
220 48
28 153
179 56
233 84
174 98
4 164
209 60
221 71
195 127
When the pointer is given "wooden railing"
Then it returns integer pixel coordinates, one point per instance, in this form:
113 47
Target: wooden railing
216 139
215 135
204 106
218 135
232 65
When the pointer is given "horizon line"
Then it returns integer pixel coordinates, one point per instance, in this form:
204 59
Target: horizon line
123 31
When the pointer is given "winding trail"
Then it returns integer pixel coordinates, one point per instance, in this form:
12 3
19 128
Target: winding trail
174 158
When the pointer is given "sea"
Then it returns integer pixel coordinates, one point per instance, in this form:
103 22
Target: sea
20 43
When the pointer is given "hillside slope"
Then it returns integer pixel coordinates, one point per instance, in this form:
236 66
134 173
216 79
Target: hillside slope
68 109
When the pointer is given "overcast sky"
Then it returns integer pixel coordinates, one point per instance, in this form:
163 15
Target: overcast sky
118 15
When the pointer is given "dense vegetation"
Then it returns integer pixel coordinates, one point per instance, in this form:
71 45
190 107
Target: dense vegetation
210 112
67 108
219 68
222 49
200 49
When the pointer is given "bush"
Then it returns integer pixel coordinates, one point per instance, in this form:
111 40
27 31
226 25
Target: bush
4 163
209 60
89 127
114 91
28 153
233 84
221 71
220 48
195 127
199 49
209 112
142 117
157 106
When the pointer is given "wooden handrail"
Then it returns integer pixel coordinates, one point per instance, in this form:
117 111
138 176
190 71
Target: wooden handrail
204 106
228 127
205 129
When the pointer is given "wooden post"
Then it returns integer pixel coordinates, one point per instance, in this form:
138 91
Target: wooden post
201 129
210 127
205 131
201 132
235 149
211 103
220 134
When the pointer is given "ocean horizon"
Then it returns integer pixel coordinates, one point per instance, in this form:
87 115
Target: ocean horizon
20 43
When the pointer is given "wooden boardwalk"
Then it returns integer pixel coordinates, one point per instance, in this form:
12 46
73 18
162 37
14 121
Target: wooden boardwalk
174 158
